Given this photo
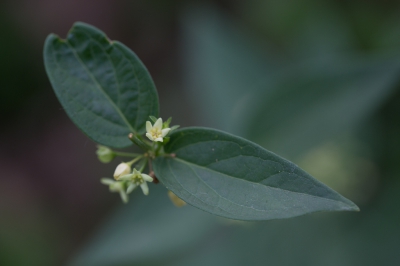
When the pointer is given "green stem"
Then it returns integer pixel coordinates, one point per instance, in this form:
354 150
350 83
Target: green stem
159 146
150 166
144 162
126 154
137 139
135 160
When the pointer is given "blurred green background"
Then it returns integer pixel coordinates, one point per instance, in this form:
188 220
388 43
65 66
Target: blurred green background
314 81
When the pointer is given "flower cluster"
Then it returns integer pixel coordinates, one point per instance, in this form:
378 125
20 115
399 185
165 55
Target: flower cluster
136 179
125 179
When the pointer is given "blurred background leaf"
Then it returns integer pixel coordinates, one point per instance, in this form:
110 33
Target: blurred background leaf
148 230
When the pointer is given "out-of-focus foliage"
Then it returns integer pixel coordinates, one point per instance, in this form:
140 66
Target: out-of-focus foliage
288 107
147 230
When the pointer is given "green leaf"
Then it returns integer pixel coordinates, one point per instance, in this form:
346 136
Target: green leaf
166 123
174 128
154 119
235 178
102 85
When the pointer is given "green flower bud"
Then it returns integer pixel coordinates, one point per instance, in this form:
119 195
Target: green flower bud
105 154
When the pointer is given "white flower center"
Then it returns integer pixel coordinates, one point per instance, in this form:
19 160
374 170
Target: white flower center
155 133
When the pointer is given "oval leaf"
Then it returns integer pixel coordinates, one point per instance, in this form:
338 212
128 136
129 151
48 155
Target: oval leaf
235 178
102 85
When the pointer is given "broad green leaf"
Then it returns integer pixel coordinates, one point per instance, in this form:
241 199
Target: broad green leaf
235 178
102 85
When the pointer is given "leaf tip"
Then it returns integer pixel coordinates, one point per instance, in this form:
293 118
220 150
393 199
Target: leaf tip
354 208
79 24
351 206
51 37
82 26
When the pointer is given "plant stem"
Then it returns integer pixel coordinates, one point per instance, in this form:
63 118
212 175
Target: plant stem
150 166
135 160
143 165
158 147
126 154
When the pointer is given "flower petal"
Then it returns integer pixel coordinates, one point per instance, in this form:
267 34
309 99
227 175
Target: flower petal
116 187
164 132
136 172
159 139
149 136
147 178
158 124
148 126
107 181
124 196
131 187
125 177
145 188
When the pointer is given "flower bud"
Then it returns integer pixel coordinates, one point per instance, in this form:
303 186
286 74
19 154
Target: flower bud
121 170
105 154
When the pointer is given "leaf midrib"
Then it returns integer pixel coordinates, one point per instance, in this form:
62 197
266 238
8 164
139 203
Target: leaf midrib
101 88
77 102
217 206
274 188
137 79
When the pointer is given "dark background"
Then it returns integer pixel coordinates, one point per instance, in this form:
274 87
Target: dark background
314 81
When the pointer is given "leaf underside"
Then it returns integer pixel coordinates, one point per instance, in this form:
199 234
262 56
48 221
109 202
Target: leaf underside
102 85
235 178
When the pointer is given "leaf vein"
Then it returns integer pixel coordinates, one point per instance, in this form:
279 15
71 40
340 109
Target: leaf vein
219 196
274 188
101 89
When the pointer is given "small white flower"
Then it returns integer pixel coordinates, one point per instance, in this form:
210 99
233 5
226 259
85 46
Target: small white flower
116 186
122 169
137 179
156 132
